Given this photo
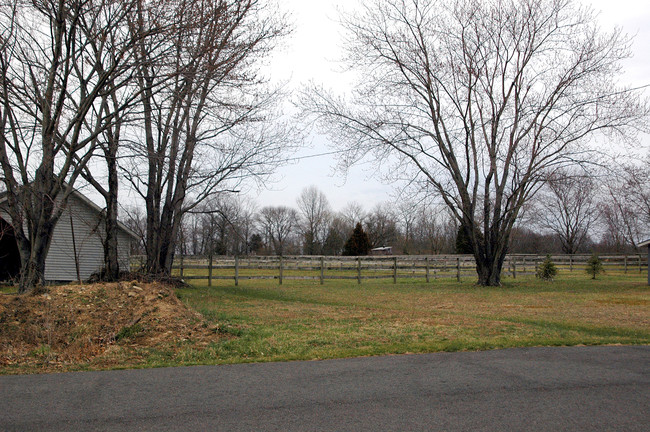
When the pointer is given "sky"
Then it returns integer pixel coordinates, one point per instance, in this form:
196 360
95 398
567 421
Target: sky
311 54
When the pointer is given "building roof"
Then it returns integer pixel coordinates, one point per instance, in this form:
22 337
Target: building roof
644 243
92 205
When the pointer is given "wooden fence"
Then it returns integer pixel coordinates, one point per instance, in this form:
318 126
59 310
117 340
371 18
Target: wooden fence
429 267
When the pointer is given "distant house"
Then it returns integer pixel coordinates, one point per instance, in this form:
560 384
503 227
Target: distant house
646 244
385 250
80 232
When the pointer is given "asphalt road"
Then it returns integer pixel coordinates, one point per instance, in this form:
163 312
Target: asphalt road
537 389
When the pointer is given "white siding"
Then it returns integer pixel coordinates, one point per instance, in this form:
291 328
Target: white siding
88 229
124 250
88 233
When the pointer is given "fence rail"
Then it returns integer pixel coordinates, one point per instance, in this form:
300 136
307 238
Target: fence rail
322 268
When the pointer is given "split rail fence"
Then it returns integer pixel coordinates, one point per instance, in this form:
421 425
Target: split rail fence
429 267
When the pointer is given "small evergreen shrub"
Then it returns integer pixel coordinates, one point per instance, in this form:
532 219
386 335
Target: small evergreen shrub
594 266
547 269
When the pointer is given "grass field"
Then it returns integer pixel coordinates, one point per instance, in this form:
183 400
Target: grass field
260 320
304 320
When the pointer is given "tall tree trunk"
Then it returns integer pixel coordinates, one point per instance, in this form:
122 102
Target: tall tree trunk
111 259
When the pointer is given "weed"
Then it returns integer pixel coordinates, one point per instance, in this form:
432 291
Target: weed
128 332
43 350
78 332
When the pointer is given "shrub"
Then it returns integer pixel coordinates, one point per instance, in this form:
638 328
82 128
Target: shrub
547 269
594 266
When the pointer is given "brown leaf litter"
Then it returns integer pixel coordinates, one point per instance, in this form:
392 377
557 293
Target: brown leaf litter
100 325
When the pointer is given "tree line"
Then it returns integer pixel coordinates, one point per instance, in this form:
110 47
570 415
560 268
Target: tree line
574 212
494 113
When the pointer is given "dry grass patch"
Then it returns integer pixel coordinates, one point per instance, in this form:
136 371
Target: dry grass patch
94 326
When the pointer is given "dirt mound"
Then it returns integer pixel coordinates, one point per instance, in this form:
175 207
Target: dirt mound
99 325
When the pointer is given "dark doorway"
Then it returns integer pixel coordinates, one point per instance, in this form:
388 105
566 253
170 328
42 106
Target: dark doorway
9 255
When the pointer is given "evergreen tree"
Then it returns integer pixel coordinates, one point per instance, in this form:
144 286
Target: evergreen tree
547 270
594 266
358 243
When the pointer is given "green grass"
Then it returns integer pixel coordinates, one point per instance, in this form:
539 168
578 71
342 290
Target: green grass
303 320
260 320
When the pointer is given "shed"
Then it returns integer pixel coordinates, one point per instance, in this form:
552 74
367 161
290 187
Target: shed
646 244
79 233
384 250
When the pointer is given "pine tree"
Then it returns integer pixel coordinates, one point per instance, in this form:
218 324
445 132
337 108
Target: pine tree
594 266
547 269
358 243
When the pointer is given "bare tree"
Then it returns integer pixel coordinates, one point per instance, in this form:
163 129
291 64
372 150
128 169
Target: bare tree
626 206
208 114
278 225
59 60
136 221
479 100
567 207
352 214
221 225
315 218
637 190
406 212
381 225
434 230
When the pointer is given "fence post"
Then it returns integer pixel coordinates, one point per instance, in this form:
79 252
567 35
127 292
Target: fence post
570 263
322 270
426 266
458 269
394 270
514 268
210 270
625 263
280 278
236 270
640 264
359 270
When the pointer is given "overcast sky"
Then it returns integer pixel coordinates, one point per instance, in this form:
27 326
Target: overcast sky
311 54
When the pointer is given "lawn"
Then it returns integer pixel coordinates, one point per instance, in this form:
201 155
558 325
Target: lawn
260 320
303 320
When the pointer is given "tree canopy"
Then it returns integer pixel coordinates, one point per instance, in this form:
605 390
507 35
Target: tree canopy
477 102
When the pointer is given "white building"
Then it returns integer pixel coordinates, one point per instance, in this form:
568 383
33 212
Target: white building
79 233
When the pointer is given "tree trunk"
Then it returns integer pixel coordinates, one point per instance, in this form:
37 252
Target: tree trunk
489 270
111 259
489 252
33 255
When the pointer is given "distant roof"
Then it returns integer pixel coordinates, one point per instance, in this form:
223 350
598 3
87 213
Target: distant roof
644 243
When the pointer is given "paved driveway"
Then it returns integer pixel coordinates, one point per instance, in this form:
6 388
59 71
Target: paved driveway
536 389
